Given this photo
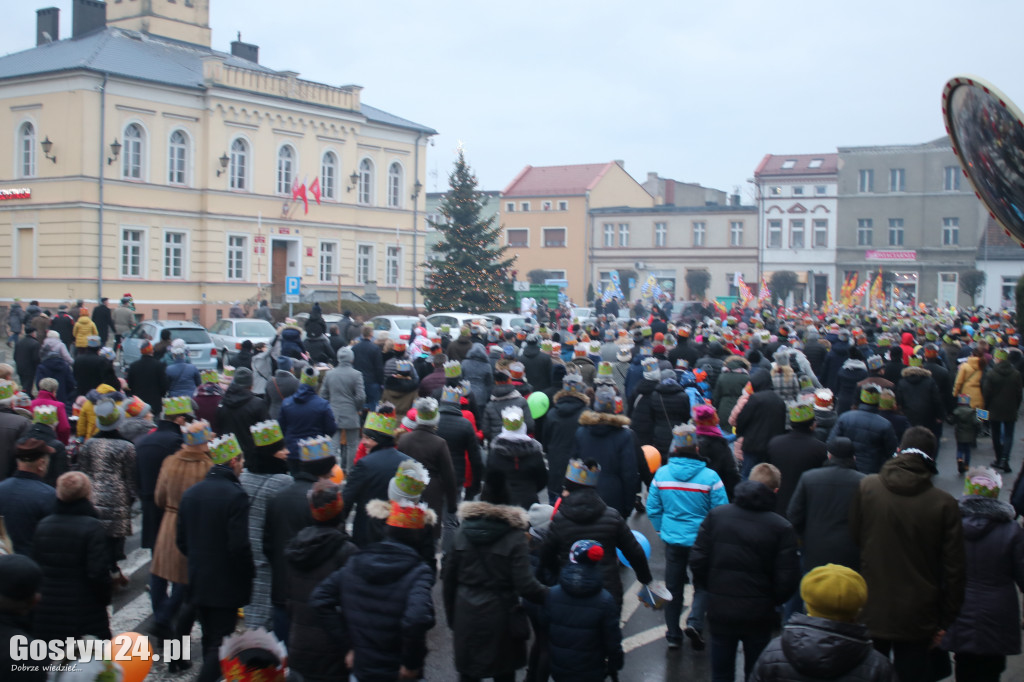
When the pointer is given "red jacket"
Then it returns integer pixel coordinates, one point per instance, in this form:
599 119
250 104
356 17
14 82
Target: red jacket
63 427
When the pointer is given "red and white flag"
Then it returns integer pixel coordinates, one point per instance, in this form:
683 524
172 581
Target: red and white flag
299 192
862 289
314 189
763 292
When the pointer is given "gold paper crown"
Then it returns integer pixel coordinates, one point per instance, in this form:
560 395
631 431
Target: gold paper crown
412 516
229 371
801 411
309 377
451 394
266 433
7 390
312 449
45 414
209 376
512 418
604 369
684 436
426 409
179 405
411 478
578 472
234 670
382 422
453 369
197 433
225 449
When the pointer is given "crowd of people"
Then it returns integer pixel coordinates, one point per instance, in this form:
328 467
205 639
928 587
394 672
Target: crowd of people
322 483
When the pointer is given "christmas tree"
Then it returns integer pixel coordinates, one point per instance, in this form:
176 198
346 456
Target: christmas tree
470 273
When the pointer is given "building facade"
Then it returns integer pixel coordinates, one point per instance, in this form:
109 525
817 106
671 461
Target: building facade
1002 260
797 223
546 216
669 241
157 166
908 210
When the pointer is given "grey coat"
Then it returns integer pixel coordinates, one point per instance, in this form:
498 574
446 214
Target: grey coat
343 388
476 369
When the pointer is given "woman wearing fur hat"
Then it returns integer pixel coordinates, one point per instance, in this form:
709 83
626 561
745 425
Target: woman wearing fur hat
484 576
519 457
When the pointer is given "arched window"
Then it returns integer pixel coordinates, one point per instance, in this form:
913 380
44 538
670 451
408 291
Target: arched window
27 150
395 186
365 181
329 176
239 168
132 152
285 169
177 158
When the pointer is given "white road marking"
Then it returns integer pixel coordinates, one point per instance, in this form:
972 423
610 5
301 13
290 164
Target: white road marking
643 638
629 603
135 560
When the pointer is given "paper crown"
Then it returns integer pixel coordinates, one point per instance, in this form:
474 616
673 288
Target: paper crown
645 331
915 361
451 394
684 436
886 399
823 398
1001 354
579 351
178 405
426 411
312 449
409 481
266 433
545 346
801 411
7 389
45 414
875 363
253 656
604 400
556 348
516 370
197 432
452 369
595 347
883 342
229 371
411 516
209 376
108 414
403 367
869 394
512 418
382 420
579 473
983 481
309 377
604 369
624 354
224 449
649 364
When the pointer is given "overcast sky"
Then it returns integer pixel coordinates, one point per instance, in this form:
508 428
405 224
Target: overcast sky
695 90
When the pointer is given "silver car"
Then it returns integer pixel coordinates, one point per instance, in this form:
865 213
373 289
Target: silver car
228 334
201 351
398 327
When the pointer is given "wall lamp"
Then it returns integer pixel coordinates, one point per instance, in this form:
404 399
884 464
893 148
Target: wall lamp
353 180
115 150
47 146
224 160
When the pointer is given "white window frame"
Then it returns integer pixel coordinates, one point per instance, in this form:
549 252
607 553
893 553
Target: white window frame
393 265
165 249
951 178
370 259
563 205
127 171
565 240
242 250
660 234
700 233
773 239
329 175
897 180
623 235
332 252
797 226
395 183
524 206
608 230
240 160
510 207
896 228
819 226
364 188
735 233
865 232
25 154
174 150
285 169
125 266
865 181
951 231
514 246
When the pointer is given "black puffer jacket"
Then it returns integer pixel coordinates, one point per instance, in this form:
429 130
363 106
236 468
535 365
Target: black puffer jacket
713 362
582 623
537 366
608 440
559 437
820 513
918 395
1001 388
944 381
287 514
815 352
503 396
658 413
238 410
458 432
745 557
70 547
367 481
315 553
378 605
763 416
873 438
522 463
819 649
850 374
720 460
583 515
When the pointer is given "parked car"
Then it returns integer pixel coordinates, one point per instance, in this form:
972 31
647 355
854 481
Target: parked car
228 334
456 320
398 326
508 320
201 351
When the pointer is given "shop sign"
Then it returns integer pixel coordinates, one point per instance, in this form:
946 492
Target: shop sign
891 255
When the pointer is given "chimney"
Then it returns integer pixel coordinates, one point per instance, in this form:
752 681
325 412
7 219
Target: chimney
47 25
734 199
246 51
87 16
620 163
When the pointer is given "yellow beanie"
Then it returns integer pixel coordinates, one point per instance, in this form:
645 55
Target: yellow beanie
834 592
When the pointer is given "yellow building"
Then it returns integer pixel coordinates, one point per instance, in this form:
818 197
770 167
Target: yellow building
545 212
155 165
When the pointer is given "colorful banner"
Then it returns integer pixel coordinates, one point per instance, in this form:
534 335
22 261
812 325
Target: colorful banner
763 293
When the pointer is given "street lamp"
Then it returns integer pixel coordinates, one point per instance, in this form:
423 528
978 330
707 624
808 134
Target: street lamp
353 180
115 150
224 160
47 146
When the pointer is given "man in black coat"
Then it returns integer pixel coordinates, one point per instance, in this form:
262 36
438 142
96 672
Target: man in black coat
20 580
25 499
147 377
745 557
917 394
815 352
26 358
91 370
213 534
537 364
560 425
240 409
458 432
796 451
64 324
370 362
943 379
103 320
874 440
760 420
684 350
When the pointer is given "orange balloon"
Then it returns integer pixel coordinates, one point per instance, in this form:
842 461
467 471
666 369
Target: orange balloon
652 456
337 474
128 654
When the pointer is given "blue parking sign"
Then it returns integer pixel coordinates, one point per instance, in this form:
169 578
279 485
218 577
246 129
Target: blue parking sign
291 285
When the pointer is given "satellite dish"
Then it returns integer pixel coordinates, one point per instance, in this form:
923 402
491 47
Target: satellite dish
987 133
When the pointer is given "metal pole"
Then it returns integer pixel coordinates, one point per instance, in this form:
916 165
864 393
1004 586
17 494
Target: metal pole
102 146
415 213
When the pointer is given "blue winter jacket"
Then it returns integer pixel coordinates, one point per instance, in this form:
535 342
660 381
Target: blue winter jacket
682 494
304 415
182 378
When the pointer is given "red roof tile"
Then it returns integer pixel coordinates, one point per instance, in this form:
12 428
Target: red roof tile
773 164
546 181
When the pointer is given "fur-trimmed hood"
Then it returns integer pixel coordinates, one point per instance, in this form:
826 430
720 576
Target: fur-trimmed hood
591 418
381 509
516 517
919 373
735 362
855 364
565 394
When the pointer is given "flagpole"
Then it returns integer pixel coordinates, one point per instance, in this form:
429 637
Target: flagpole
259 261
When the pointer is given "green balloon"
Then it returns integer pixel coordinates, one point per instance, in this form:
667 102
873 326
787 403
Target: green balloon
538 403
